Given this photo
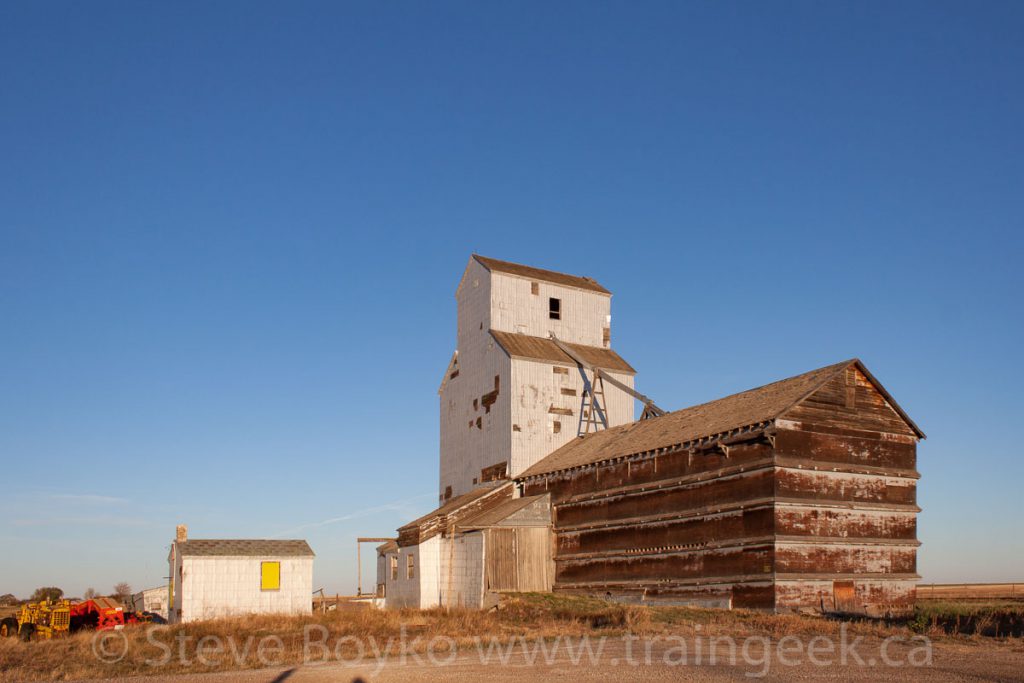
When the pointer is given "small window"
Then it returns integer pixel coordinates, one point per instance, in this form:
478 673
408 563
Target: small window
556 427
555 308
410 570
270 576
534 288
394 567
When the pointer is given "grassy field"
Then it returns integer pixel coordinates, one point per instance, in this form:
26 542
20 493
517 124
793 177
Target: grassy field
527 615
966 592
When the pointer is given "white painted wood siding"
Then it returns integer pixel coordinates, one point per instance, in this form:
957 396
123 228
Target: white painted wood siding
526 389
217 587
514 308
536 389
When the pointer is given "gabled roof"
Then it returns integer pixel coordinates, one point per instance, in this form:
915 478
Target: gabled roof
494 265
538 348
752 407
247 547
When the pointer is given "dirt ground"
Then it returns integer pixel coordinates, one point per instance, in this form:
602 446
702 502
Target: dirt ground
970 661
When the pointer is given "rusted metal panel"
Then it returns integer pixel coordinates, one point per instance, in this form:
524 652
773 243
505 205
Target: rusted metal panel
671 497
875 597
753 596
719 562
846 450
820 558
803 520
638 471
670 533
811 485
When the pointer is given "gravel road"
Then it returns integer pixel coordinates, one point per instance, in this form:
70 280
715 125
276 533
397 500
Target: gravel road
949 661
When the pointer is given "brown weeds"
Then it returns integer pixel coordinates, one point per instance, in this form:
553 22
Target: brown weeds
181 648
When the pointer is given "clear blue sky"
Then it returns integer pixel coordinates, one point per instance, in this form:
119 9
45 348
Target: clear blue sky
230 235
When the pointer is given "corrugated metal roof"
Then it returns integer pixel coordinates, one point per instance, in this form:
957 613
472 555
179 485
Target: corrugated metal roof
539 348
708 419
210 547
540 274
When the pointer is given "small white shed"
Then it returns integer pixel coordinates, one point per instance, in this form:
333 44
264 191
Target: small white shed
153 600
216 578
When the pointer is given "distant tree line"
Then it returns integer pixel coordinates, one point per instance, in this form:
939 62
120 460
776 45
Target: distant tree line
122 591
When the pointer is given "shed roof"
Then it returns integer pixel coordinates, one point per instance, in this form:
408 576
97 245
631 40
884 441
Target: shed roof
539 348
707 419
456 503
212 547
494 265
500 512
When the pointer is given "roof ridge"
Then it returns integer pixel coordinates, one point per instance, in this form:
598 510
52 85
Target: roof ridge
758 404
533 272
835 369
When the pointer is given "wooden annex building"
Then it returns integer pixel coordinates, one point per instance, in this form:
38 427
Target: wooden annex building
796 495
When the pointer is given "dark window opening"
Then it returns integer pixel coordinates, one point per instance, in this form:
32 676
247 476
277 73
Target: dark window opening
555 308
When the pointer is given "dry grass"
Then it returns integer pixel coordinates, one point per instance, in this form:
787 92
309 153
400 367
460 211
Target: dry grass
997 618
527 615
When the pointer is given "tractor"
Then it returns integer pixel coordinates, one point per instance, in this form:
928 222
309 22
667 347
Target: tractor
55 619
44 619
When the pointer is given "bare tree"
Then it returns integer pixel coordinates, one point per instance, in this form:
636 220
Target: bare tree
89 593
122 591
6 600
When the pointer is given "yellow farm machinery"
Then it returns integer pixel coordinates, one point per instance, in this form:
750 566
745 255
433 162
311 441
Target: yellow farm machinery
57 618
45 619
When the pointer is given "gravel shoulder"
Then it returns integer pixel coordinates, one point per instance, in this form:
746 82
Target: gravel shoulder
950 661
